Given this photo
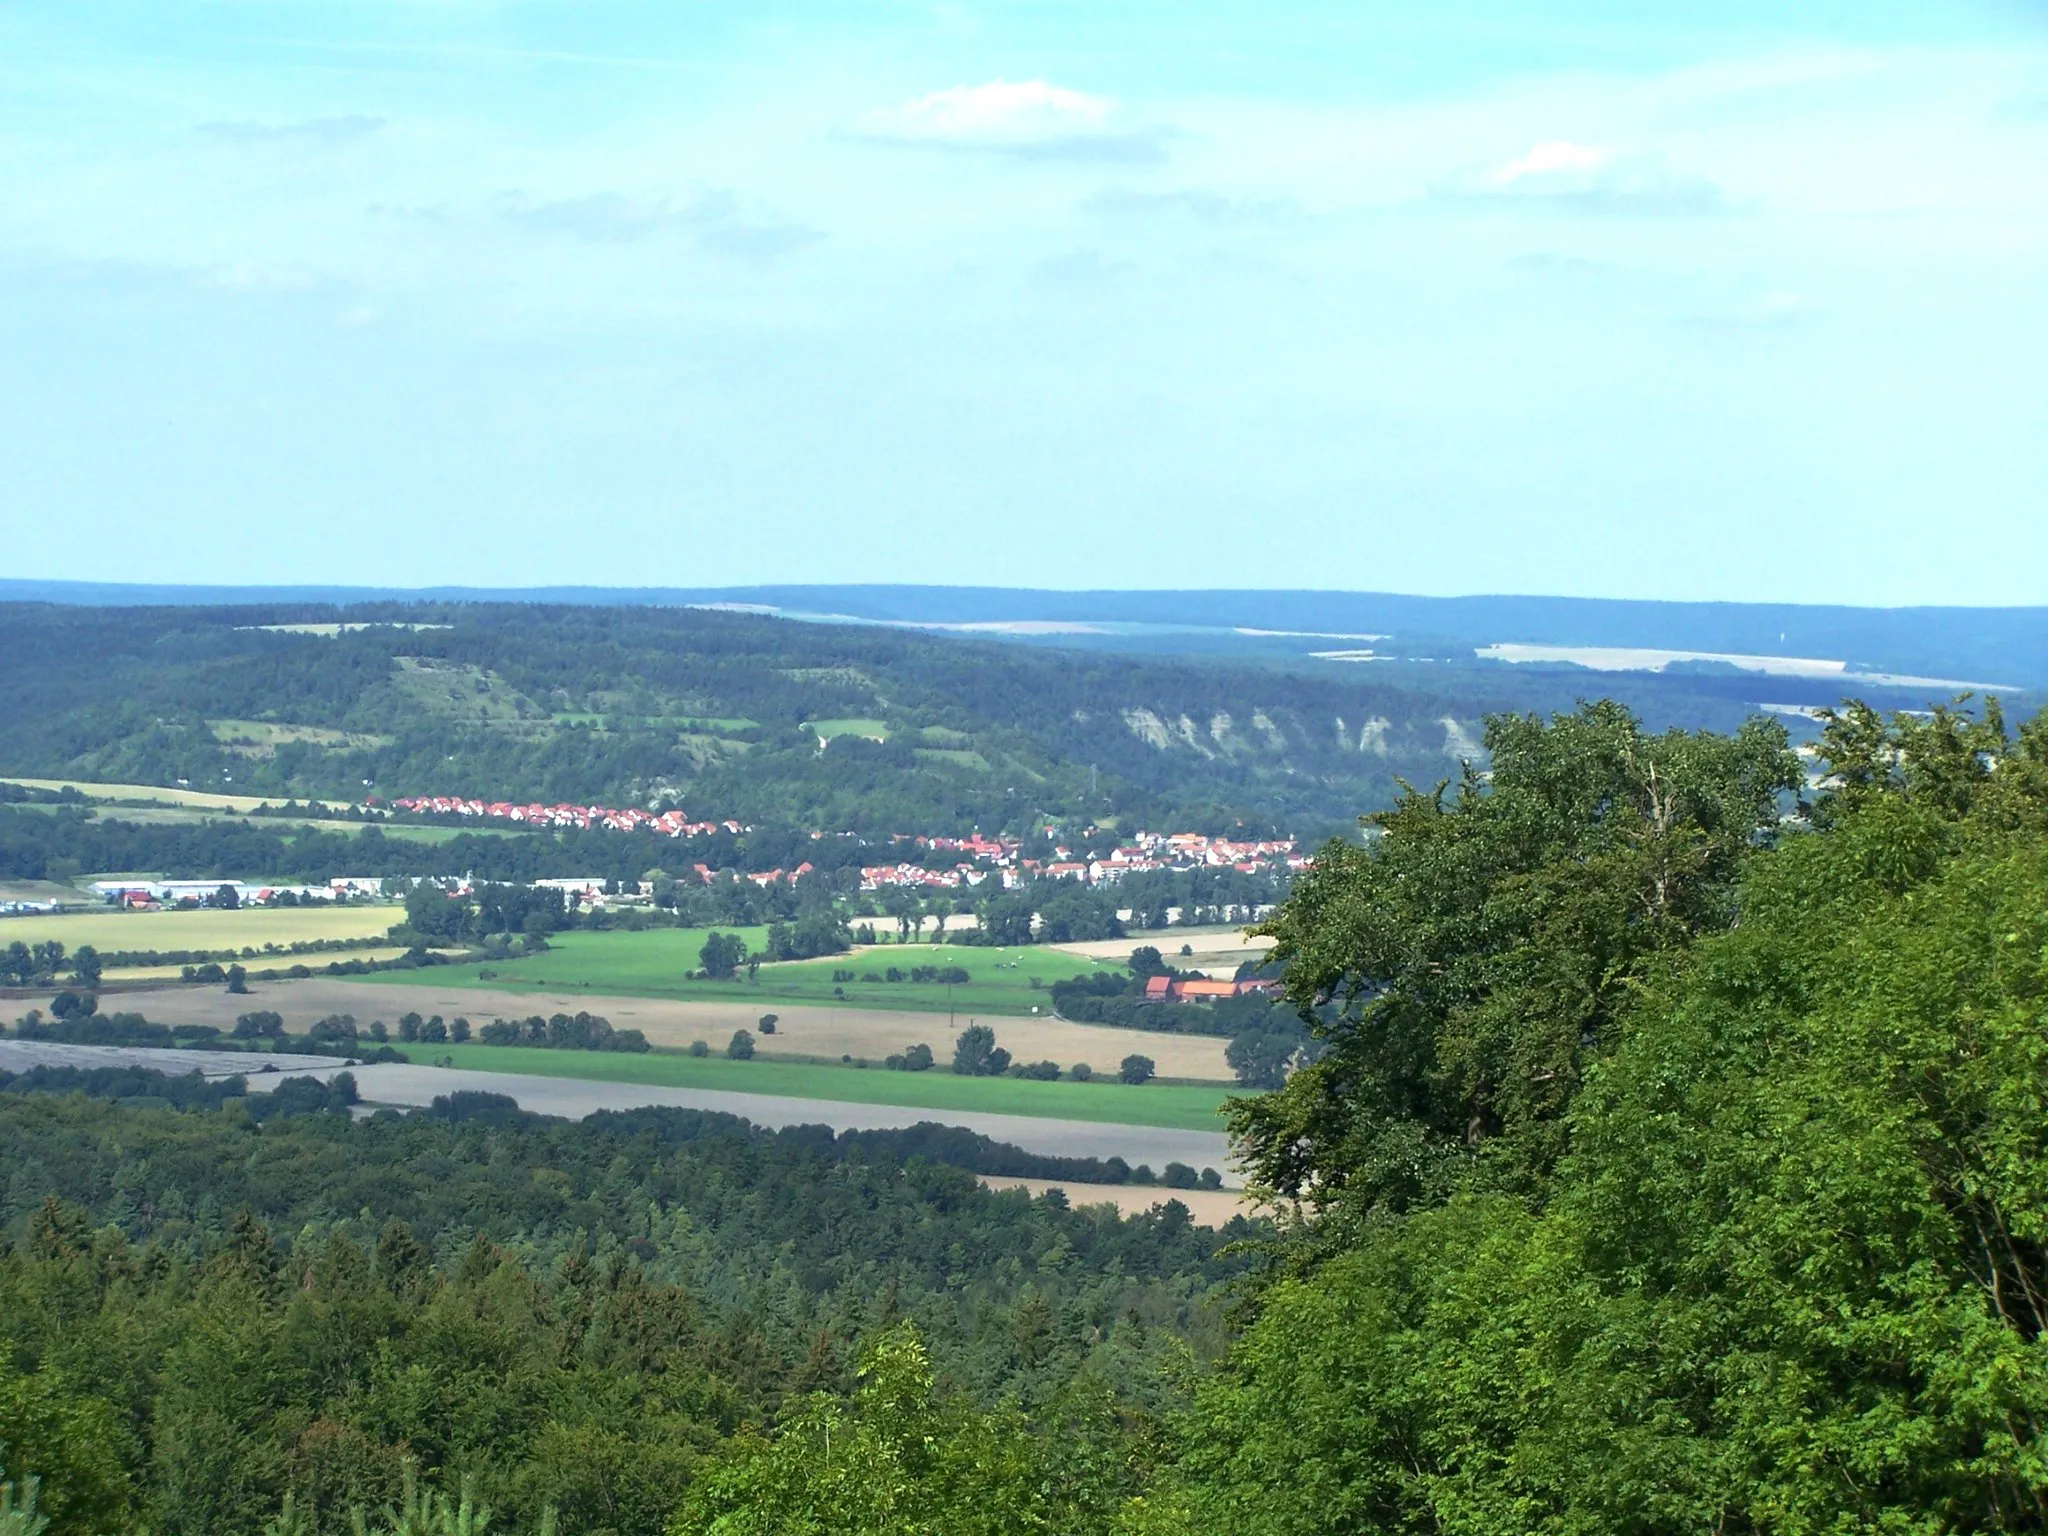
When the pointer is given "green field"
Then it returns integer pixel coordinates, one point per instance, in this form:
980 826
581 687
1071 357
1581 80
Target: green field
657 962
651 963
1112 1103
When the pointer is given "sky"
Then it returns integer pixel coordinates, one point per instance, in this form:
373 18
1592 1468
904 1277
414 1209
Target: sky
1694 301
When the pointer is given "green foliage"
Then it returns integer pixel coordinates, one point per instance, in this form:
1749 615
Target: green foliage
64 1443
563 1316
1792 1275
1463 967
722 955
903 1458
20 1517
421 1512
976 1054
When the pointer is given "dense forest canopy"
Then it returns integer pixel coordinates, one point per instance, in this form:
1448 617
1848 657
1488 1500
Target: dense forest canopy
1669 1159
223 1310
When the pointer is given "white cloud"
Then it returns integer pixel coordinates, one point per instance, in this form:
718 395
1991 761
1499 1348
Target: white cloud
1561 175
1030 118
1551 159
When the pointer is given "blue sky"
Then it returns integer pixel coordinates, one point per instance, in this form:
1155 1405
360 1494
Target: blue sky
1692 301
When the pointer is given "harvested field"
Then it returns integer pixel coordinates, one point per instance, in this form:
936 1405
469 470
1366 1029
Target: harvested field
1210 1207
242 928
1218 951
154 793
802 1030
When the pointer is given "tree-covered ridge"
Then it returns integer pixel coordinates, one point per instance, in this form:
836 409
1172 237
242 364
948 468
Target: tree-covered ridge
619 705
221 1312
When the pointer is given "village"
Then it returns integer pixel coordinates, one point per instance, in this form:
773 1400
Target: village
985 858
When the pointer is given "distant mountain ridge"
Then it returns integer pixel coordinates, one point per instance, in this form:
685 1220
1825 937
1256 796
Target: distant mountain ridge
2005 646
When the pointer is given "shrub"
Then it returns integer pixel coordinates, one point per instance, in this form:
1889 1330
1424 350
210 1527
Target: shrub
767 1025
1037 1071
1081 1072
699 1048
1136 1069
1211 1179
741 1047
1179 1176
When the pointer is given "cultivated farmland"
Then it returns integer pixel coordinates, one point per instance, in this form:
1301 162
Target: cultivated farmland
152 794
802 1030
657 962
243 928
1108 1102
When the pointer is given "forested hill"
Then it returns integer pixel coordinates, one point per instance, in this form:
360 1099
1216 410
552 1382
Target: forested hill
735 715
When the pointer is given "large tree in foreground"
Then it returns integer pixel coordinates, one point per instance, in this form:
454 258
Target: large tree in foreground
1466 961
1792 1275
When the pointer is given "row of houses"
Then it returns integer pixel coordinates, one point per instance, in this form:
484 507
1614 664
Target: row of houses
1145 850
569 817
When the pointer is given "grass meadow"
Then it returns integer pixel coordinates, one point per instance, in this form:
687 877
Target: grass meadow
657 961
1175 1106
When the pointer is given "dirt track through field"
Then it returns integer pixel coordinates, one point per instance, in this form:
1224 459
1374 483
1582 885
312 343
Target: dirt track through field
800 1030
